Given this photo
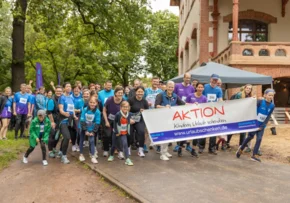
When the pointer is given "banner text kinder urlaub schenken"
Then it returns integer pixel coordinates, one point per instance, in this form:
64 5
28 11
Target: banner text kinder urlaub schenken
203 120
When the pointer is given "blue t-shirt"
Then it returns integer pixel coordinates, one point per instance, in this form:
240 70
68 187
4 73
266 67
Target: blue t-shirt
21 101
41 101
104 95
32 99
91 118
212 94
68 104
78 102
150 96
50 105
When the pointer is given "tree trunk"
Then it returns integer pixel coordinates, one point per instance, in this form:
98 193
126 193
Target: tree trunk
18 44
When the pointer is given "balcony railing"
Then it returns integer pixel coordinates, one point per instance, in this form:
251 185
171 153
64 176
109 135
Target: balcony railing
255 53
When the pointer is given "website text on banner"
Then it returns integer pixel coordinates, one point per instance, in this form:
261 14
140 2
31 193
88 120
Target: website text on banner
203 120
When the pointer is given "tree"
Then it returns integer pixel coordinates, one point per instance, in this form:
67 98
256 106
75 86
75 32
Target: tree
161 45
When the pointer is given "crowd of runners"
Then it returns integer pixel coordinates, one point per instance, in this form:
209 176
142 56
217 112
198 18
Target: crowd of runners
92 116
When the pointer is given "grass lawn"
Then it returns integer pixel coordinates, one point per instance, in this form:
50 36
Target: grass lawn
10 149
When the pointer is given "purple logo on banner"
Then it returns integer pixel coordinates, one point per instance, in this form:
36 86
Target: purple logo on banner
39 79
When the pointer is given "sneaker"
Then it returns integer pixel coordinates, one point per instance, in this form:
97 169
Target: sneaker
179 153
193 153
59 154
145 149
24 160
248 150
129 162
254 158
212 151
105 154
259 153
44 162
129 151
64 159
111 158
121 156
239 152
74 148
176 148
158 149
94 160
51 154
78 149
188 148
168 155
164 157
200 150
141 152
96 153
81 158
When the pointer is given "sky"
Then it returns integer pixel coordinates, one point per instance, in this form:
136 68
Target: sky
163 5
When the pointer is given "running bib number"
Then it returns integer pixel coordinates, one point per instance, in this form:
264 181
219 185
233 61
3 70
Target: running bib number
70 108
111 117
90 117
183 98
261 117
23 101
41 128
123 127
9 108
211 97
136 118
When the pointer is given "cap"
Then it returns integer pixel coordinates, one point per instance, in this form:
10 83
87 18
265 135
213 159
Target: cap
41 113
215 76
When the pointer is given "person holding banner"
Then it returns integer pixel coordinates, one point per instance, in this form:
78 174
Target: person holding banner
167 99
213 94
196 98
265 108
183 90
138 104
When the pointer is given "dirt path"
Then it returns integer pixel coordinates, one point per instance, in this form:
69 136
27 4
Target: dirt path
56 182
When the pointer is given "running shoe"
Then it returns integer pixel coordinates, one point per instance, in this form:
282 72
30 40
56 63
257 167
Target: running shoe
168 155
212 151
239 152
96 153
105 154
74 148
259 153
64 159
141 153
188 148
129 162
193 153
145 149
121 156
81 158
180 152
254 158
24 160
51 154
164 157
44 162
78 149
111 158
59 154
158 149
94 160
176 148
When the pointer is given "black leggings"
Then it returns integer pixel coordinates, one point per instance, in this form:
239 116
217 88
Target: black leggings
52 142
20 124
107 136
66 132
43 149
140 132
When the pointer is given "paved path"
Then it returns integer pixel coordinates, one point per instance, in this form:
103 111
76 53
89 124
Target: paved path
222 178
56 182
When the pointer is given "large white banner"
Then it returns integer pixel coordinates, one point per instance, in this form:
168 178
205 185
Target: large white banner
203 120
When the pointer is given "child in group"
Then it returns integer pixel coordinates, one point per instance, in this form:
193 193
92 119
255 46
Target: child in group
265 107
39 133
90 121
121 131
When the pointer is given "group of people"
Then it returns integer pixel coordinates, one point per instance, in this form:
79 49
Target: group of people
86 116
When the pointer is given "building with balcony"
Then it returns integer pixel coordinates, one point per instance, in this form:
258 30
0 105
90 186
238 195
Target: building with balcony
252 35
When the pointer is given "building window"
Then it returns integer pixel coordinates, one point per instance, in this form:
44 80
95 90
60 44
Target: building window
250 31
280 52
248 52
264 52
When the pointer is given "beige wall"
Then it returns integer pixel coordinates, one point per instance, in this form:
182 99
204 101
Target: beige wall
279 32
193 51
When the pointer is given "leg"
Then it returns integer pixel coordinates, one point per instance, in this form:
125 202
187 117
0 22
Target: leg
140 131
17 124
248 139
106 138
242 138
260 134
73 135
5 124
201 143
92 145
212 143
164 149
51 139
229 139
194 143
66 137
82 139
30 149
22 125
43 149
125 145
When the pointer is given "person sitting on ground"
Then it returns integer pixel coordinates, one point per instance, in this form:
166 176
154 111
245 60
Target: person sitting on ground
39 133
